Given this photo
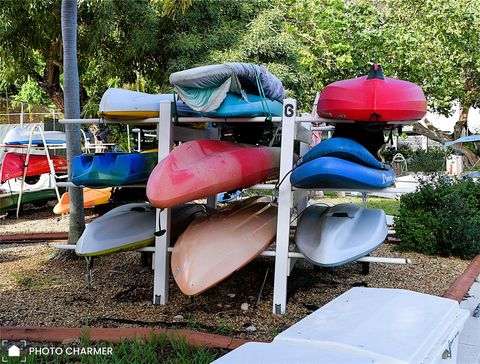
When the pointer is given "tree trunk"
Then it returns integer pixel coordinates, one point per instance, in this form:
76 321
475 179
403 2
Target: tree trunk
72 111
433 133
461 123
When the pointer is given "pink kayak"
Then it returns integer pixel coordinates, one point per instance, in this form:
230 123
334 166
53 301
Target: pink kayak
202 168
241 231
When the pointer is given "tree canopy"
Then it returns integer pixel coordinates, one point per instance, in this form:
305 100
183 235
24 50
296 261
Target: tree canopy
306 43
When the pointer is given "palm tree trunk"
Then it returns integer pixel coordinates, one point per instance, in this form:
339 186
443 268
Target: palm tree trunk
72 111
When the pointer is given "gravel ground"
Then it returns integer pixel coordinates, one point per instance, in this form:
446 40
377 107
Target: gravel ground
39 219
37 291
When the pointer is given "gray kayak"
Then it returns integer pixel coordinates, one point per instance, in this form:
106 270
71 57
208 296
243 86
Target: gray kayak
333 236
132 226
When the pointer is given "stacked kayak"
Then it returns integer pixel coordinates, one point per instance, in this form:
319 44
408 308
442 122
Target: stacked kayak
130 226
341 163
202 168
230 90
91 197
332 236
125 104
215 246
13 165
21 136
112 169
372 99
42 190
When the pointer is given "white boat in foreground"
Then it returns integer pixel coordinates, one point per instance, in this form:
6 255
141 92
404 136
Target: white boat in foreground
366 325
333 236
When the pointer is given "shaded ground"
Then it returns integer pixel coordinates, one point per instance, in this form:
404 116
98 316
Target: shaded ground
37 291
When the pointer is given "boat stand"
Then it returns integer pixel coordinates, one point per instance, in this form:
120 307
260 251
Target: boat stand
90 273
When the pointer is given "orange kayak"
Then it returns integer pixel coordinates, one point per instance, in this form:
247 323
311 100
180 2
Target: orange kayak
13 164
214 247
202 168
91 198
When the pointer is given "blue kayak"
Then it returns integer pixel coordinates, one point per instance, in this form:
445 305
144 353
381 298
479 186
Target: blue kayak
332 172
235 106
343 148
112 169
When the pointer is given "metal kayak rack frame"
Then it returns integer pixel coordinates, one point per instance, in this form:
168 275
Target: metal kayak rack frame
289 199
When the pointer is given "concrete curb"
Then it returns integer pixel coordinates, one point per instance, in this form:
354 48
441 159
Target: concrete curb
32 237
463 283
116 335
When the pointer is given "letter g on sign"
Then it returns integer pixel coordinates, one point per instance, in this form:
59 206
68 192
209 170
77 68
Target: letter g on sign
288 110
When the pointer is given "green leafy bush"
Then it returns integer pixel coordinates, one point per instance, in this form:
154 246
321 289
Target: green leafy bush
431 160
442 217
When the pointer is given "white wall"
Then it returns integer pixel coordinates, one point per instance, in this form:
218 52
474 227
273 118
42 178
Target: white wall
447 123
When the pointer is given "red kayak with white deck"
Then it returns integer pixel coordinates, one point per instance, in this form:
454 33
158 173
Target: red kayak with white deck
202 168
13 165
372 98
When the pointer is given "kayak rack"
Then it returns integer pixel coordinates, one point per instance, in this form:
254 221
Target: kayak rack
289 200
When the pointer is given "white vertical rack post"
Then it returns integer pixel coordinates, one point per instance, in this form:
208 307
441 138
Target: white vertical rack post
285 199
163 216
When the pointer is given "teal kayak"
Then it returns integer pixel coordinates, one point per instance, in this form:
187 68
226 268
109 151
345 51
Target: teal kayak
112 169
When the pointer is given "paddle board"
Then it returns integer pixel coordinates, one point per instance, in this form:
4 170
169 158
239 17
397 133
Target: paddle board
333 236
202 168
215 246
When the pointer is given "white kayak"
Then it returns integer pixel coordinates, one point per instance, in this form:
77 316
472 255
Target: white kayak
333 236
21 136
131 226
125 104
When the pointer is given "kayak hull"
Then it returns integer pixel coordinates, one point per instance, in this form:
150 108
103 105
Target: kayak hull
130 226
340 234
21 136
13 165
331 172
202 168
112 169
91 198
125 104
235 105
8 201
372 99
242 231
342 148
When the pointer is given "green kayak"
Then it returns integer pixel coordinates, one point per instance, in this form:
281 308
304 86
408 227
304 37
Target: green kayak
8 201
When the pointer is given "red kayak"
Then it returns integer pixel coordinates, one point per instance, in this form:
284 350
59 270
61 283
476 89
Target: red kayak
372 98
13 163
202 168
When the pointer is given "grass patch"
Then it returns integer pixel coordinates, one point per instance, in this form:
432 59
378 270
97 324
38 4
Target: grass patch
158 349
30 281
390 206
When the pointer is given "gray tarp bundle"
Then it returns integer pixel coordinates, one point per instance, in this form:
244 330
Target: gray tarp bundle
204 88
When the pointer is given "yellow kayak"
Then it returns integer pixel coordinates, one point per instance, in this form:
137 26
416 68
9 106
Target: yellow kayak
91 198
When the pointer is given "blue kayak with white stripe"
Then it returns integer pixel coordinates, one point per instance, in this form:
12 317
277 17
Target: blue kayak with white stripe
332 172
343 148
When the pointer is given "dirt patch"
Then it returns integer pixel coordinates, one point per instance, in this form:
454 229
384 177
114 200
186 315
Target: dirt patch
37 291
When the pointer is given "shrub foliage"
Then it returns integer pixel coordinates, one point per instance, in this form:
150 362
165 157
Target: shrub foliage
442 217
